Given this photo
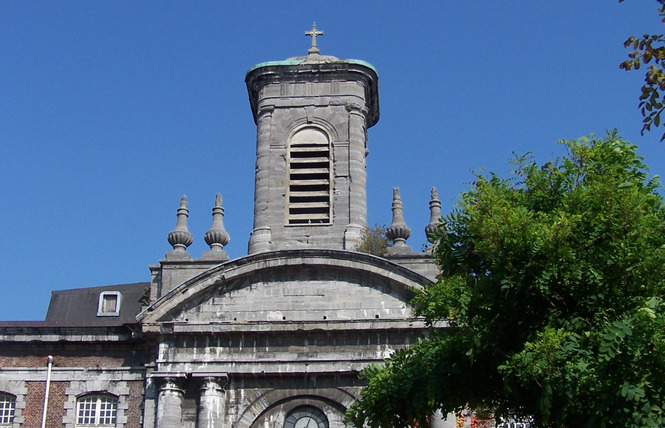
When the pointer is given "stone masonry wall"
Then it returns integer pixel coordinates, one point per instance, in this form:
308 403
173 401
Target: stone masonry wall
334 102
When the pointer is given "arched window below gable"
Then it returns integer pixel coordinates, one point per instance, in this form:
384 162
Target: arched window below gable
306 417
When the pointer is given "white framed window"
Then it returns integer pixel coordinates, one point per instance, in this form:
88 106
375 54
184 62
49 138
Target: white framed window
109 304
7 409
96 410
310 178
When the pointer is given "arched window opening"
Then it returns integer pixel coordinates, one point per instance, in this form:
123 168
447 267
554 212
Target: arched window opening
7 409
309 178
96 410
306 417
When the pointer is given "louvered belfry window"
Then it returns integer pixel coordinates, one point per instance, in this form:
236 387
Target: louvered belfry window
309 178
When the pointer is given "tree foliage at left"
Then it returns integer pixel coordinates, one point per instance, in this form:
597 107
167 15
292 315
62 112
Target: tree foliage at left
551 304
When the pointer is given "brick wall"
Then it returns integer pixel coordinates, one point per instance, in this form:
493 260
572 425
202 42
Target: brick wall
35 403
75 355
135 411
94 356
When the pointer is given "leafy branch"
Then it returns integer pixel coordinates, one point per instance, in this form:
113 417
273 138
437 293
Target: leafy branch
649 50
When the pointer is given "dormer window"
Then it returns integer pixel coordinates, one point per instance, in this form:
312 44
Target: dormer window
109 304
309 178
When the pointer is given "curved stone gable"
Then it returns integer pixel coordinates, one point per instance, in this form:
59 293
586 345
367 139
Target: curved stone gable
290 285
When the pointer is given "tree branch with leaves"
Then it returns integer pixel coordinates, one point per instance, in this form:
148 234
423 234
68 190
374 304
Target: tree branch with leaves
552 298
649 51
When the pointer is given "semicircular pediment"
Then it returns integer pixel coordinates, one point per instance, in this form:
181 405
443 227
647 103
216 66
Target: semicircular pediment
302 285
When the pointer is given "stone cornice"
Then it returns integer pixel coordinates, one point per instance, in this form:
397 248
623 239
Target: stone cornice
290 71
46 332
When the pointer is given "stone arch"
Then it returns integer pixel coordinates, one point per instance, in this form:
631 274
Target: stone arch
291 120
316 122
263 264
328 400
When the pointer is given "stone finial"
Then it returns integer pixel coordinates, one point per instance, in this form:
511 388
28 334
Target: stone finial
217 237
435 215
180 238
313 34
398 232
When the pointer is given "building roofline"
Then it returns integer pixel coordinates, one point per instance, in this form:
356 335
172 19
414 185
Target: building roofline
264 262
289 62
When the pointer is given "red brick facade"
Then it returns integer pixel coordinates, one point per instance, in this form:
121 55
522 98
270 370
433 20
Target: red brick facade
75 355
35 403
135 409
78 368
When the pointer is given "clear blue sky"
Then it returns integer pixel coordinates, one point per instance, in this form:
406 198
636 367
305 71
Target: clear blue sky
110 111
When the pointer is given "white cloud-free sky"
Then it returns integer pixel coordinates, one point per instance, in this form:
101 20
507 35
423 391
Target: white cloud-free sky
110 111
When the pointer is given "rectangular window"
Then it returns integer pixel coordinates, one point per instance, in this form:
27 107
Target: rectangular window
87 411
97 410
107 411
7 409
109 304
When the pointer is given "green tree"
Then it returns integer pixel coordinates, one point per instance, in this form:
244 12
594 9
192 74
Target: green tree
649 49
550 305
374 241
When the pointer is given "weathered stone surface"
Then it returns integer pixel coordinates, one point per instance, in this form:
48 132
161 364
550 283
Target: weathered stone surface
294 281
249 343
288 328
336 97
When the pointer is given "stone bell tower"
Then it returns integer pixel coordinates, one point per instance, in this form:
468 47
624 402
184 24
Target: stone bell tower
312 114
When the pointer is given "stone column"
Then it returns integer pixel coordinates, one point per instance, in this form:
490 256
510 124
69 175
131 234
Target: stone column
169 402
211 403
260 239
357 176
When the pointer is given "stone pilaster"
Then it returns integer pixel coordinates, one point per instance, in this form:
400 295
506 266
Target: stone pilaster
169 402
260 239
357 176
211 403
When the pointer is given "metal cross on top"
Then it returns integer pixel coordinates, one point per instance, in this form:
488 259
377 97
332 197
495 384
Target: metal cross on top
313 34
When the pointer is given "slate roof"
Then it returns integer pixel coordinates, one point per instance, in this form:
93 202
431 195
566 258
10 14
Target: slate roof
78 307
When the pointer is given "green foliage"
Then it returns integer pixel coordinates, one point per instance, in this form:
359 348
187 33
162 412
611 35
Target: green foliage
374 241
648 48
553 288
145 297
